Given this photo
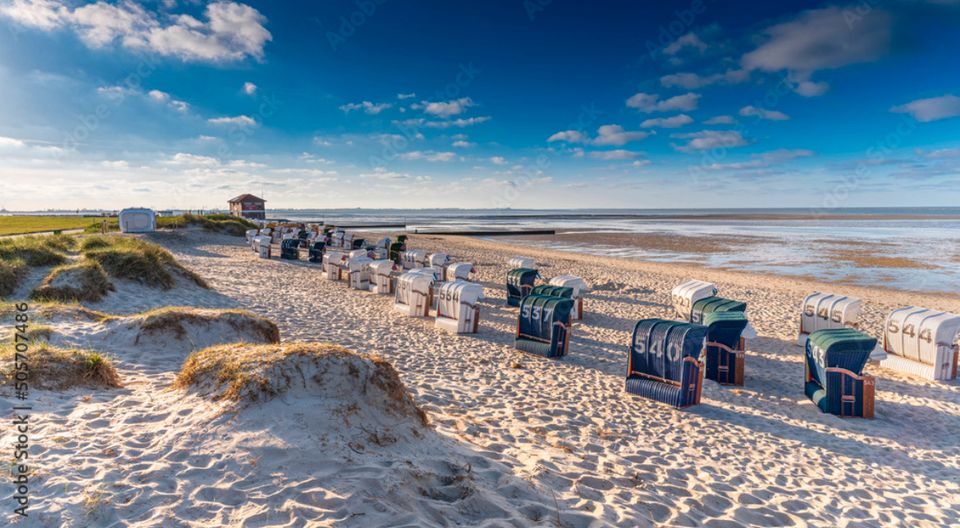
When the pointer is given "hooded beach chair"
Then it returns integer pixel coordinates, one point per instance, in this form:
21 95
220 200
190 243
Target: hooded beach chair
381 276
264 244
522 262
412 295
290 249
725 349
333 264
687 293
457 308
315 253
834 360
413 259
397 249
437 261
714 304
358 271
553 291
821 311
458 271
519 283
578 285
543 325
922 342
664 363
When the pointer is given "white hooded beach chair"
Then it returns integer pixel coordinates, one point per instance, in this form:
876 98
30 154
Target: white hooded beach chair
413 258
457 308
262 245
437 261
412 295
381 276
522 262
823 311
922 342
686 294
458 271
333 264
249 234
359 272
579 286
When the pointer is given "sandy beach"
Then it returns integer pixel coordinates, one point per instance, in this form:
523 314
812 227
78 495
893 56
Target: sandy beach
514 439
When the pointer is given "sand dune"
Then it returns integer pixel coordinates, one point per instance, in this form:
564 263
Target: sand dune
515 439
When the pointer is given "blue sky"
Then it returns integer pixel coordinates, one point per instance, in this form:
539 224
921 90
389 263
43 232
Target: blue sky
526 103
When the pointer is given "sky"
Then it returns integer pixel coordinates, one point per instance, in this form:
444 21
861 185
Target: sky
493 104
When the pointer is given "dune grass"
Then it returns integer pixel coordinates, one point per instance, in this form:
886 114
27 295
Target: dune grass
221 223
11 273
245 373
57 368
37 250
137 260
172 319
81 281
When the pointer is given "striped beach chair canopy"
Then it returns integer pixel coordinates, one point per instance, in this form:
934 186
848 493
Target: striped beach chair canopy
664 361
543 326
922 342
689 292
835 358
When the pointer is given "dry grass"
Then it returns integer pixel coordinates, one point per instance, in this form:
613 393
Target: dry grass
243 374
12 271
221 223
174 320
36 250
137 260
83 281
56 368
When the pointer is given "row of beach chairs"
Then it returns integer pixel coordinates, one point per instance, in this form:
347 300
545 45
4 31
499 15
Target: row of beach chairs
667 359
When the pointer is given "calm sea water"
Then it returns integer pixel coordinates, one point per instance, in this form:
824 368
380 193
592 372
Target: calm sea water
789 242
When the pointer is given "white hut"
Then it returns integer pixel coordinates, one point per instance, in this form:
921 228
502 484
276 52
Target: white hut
358 271
458 271
381 276
579 286
413 293
821 311
922 342
687 293
413 258
522 262
332 261
137 220
457 309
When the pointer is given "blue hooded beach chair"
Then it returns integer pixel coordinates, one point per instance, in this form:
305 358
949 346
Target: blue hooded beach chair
289 248
714 304
834 364
553 291
315 253
725 348
543 325
520 282
664 361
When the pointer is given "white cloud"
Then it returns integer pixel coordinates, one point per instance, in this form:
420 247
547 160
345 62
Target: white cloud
366 106
446 108
690 40
615 135
404 96
114 92
183 158
163 97
720 120
820 39
462 143
428 156
618 154
232 31
931 109
455 123
764 160
668 122
249 88
307 157
771 115
570 136
648 103
692 81
710 139
498 160
240 120
11 142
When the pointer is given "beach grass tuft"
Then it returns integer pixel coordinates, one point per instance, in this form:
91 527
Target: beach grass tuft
138 260
174 320
245 373
81 281
12 271
221 223
57 368
37 250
